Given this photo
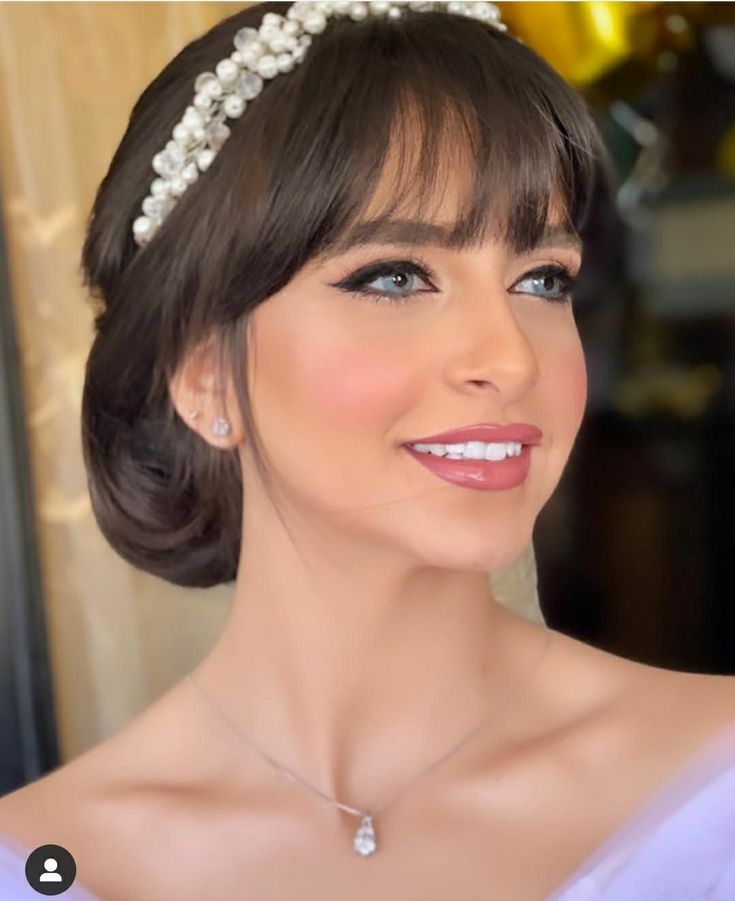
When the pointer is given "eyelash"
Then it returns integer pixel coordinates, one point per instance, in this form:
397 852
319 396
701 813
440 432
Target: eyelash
354 283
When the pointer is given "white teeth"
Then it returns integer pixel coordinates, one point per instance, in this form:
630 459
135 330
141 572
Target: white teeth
472 450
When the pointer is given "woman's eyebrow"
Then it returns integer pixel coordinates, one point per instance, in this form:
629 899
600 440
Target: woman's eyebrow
411 231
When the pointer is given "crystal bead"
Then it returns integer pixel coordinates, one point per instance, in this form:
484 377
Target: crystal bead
245 37
203 80
364 841
217 134
248 85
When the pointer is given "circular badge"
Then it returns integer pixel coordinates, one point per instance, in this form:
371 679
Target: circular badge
50 869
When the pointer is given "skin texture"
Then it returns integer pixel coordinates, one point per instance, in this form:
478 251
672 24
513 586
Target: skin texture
370 620
364 642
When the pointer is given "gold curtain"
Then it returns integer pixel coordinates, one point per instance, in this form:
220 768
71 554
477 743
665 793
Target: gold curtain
69 75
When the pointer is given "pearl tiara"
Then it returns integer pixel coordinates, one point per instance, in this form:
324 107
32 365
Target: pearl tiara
261 53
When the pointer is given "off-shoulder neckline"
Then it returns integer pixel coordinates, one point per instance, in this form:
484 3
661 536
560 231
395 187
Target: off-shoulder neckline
711 758
708 761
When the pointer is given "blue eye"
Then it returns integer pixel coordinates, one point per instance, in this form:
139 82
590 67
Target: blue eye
396 282
557 281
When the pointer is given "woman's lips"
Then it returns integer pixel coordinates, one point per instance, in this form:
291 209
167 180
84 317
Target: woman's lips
485 475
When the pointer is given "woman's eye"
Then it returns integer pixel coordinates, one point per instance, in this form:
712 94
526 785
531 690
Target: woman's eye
552 283
394 281
397 281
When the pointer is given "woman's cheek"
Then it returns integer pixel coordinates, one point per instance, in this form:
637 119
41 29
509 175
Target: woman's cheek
360 390
571 386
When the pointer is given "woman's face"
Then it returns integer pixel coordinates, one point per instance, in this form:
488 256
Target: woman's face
343 377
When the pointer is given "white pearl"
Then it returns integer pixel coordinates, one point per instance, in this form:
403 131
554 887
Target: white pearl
192 118
342 7
159 187
273 19
290 43
142 227
199 134
291 28
278 43
236 57
285 62
394 13
266 33
298 10
379 8
298 54
358 11
226 71
213 89
315 23
204 159
181 134
251 56
480 11
233 106
203 101
190 174
178 186
267 66
324 6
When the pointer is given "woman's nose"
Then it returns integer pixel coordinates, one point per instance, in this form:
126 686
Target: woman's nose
499 355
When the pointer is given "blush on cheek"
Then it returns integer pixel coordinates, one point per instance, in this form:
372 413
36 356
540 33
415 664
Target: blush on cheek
361 391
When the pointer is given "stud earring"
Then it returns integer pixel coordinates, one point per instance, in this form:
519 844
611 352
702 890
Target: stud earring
220 427
193 414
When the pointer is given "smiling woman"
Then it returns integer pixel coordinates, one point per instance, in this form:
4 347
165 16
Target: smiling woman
336 362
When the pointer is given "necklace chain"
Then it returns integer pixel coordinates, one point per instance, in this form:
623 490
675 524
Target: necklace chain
365 841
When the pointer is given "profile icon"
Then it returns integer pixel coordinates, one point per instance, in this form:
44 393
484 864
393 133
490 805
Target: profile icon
50 869
50 865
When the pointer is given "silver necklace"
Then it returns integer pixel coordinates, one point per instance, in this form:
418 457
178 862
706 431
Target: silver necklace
364 841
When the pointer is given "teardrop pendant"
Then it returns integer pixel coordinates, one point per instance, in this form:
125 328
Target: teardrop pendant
364 841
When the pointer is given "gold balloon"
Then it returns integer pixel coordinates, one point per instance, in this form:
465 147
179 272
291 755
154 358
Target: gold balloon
582 40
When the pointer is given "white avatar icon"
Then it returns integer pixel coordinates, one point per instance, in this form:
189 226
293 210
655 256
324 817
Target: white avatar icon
50 864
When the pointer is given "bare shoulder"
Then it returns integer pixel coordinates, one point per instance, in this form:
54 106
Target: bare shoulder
649 710
106 803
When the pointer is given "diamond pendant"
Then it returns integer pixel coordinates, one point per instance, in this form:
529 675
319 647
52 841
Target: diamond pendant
364 841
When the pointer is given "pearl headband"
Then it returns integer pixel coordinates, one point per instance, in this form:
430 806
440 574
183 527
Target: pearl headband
275 47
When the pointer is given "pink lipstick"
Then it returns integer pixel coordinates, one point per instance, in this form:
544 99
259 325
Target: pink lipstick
480 473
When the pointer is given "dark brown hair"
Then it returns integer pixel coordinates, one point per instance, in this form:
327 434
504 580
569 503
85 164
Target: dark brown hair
295 175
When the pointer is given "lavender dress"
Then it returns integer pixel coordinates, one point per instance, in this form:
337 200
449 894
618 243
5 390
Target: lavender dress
679 845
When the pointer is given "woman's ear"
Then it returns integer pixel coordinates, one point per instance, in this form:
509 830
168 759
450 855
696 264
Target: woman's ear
205 398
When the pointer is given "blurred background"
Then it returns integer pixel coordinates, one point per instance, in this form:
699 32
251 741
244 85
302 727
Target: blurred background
633 553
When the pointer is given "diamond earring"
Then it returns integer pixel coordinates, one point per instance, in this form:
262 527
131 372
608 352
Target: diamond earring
220 427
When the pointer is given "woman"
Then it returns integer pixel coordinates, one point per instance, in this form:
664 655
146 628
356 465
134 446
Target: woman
381 252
